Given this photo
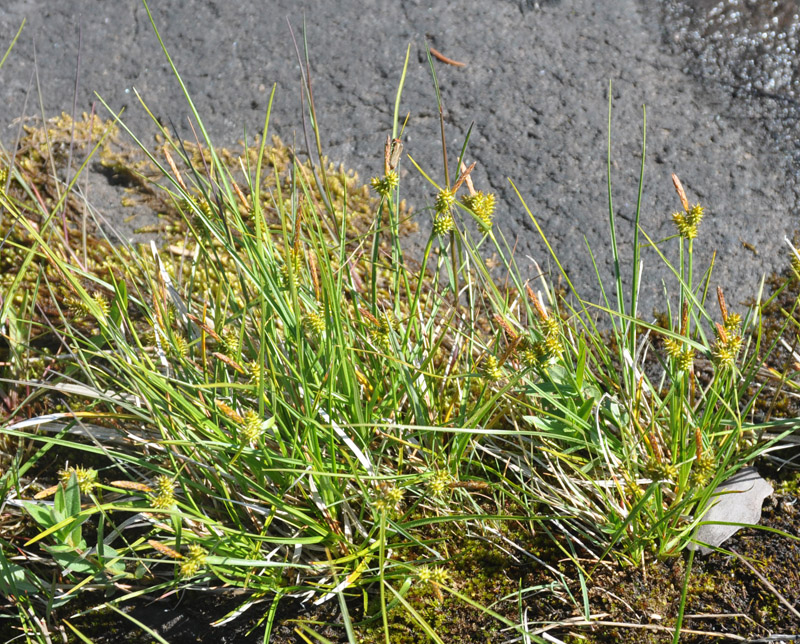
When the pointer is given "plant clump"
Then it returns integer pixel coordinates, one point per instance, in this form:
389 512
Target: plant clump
292 408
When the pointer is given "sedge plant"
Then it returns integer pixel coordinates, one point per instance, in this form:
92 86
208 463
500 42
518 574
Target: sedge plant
282 401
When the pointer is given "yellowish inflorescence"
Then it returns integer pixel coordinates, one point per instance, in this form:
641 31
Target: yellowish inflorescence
439 483
85 476
688 221
678 351
163 497
389 497
193 561
386 185
491 369
729 336
482 204
433 575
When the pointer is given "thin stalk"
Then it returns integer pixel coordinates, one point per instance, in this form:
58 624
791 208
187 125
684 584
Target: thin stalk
684 590
382 580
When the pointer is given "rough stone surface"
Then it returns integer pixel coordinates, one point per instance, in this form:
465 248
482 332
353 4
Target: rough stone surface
737 500
535 84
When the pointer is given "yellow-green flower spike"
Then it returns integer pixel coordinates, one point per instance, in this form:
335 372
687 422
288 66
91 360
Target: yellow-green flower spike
660 471
444 201
385 186
77 307
553 346
199 204
683 356
726 348
733 323
163 498
181 346
253 426
433 575
685 360
102 303
443 224
425 575
314 322
703 470
482 204
297 264
491 369
440 575
534 355
687 223
550 326
684 228
388 322
723 355
673 347
194 561
230 341
86 477
695 215
439 483
255 371
380 339
793 258
389 498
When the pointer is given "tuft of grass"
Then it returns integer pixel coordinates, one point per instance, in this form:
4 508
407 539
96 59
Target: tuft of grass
277 399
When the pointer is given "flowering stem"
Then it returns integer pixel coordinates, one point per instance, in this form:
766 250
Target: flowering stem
689 269
381 561
422 271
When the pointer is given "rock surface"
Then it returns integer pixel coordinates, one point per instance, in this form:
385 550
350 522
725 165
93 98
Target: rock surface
535 84
737 500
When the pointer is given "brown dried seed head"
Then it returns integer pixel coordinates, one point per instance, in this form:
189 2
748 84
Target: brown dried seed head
228 411
506 326
206 328
297 226
131 485
228 361
242 198
369 316
165 550
45 493
468 179
698 441
396 151
537 303
387 152
684 318
722 306
655 447
463 176
469 485
174 168
312 264
681 192
440 56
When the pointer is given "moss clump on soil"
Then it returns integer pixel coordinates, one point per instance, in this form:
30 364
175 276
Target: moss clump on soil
780 311
636 605
44 302
43 154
